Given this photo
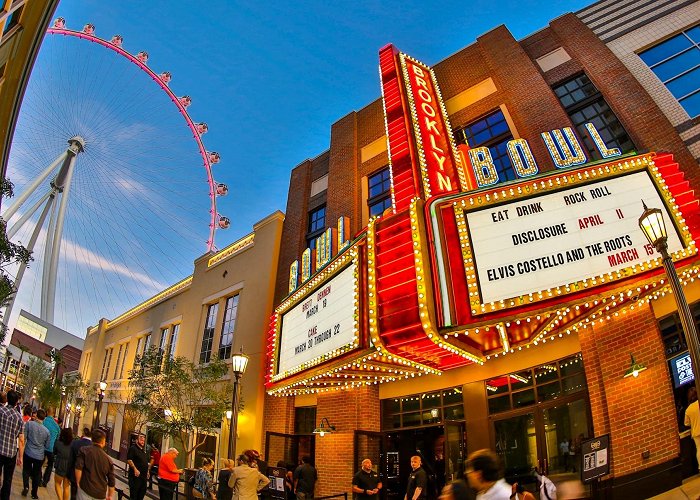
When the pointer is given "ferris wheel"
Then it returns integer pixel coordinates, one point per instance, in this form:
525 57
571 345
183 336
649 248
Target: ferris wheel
114 189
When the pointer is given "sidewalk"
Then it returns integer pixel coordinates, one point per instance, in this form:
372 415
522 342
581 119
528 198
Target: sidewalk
690 489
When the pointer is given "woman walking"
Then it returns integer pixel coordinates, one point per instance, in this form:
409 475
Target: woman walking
62 458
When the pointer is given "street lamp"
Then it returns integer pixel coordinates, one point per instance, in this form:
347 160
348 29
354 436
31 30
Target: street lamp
239 362
654 228
101 395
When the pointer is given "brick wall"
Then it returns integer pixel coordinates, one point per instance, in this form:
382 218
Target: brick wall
351 410
638 412
279 417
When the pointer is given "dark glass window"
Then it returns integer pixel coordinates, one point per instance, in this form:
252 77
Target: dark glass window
676 62
492 132
173 342
228 326
208 337
317 224
584 103
304 419
536 385
422 409
379 192
13 20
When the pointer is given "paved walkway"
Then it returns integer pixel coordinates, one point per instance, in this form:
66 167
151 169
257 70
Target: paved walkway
690 489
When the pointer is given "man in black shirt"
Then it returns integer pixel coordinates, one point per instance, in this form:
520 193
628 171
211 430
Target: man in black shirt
366 483
305 477
138 459
417 481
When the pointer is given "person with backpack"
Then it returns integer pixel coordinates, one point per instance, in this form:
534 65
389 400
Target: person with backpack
547 489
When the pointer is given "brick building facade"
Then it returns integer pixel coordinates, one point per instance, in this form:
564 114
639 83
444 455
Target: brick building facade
555 384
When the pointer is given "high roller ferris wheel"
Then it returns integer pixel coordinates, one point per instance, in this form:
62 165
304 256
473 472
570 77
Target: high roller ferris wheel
100 153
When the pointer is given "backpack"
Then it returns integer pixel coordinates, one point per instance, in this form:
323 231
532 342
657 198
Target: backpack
547 489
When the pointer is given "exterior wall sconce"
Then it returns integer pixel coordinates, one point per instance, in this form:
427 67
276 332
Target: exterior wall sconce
634 368
322 429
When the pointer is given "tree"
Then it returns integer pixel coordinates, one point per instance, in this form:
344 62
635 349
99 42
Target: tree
177 397
10 254
37 372
49 394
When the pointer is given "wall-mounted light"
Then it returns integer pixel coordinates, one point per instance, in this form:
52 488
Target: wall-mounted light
634 368
322 429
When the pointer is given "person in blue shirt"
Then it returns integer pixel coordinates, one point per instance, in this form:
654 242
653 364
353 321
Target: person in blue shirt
37 439
54 430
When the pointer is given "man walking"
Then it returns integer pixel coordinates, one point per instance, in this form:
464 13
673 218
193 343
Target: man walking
484 475
417 481
38 438
305 477
75 448
94 471
54 430
366 483
11 436
138 460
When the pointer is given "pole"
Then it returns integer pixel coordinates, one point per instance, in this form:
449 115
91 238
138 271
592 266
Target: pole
687 321
96 423
234 418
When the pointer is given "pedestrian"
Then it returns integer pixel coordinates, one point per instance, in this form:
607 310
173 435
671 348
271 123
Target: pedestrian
417 481
225 492
519 493
138 460
456 490
3 398
366 483
37 439
168 474
94 471
564 454
54 430
155 460
692 419
26 413
204 481
246 481
85 440
11 438
62 459
305 477
484 475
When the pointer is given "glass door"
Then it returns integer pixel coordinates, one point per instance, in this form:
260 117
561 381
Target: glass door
547 436
454 449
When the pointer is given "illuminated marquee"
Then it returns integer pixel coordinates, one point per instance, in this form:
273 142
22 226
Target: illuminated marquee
562 238
441 169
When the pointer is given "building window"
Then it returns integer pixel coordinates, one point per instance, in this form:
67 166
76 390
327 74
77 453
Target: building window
13 20
107 362
422 409
379 196
126 351
584 103
536 385
676 62
86 365
304 419
208 337
119 359
492 132
228 326
162 344
317 224
173 342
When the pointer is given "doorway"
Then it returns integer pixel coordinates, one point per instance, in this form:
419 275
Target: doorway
441 447
547 436
289 448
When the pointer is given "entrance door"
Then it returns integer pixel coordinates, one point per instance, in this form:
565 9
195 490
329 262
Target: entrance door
289 448
547 437
454 451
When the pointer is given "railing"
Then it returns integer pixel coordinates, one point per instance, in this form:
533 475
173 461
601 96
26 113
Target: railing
337 495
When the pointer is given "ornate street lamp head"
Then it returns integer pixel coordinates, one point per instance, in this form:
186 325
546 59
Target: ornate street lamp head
239 362
652 224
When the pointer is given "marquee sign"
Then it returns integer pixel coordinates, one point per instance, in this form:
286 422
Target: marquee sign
323 322
562 238
440 168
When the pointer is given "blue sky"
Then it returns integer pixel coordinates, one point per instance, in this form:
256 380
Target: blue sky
269 79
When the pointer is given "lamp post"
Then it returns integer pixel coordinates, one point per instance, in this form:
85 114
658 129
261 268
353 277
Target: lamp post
101 395
654 228
239 362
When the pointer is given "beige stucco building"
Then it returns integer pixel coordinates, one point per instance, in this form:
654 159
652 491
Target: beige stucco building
224 305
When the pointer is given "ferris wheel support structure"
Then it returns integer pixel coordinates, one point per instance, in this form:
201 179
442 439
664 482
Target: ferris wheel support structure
59 187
